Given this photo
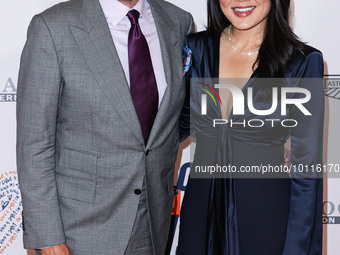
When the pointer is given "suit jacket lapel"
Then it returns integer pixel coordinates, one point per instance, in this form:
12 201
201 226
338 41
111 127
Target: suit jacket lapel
95 41
172 66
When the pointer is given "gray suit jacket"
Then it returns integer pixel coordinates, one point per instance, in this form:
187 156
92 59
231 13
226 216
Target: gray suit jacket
80 149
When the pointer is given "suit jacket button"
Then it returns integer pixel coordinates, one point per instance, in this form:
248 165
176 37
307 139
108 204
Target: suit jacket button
138 192
147 152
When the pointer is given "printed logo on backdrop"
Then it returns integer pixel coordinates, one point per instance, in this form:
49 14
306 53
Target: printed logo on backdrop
8 93
176 209
10 210
332 86
331 212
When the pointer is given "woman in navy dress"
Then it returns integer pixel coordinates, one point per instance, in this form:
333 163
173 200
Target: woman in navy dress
262 216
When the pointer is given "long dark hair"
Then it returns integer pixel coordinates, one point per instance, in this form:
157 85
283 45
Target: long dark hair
279 44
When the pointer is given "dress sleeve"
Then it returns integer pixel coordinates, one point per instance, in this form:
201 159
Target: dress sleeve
304 230
184 121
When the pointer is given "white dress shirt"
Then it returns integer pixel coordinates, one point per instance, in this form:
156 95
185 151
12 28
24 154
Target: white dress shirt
119 24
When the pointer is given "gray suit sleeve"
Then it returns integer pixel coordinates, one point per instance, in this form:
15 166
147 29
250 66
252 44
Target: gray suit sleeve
191 25
39 86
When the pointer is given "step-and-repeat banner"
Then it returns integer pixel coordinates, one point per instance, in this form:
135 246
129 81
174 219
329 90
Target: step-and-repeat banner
316 22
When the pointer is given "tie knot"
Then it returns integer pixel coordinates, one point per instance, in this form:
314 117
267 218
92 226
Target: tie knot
133 16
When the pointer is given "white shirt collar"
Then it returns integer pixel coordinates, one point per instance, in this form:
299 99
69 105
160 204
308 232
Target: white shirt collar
116 11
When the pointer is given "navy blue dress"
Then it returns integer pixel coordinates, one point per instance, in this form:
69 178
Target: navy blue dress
231 216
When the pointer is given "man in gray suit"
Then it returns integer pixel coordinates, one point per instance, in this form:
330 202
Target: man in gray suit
100 93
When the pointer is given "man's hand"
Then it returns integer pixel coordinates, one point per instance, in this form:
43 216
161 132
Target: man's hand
287 156
60 249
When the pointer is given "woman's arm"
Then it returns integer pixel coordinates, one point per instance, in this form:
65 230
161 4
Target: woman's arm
304 231
184 121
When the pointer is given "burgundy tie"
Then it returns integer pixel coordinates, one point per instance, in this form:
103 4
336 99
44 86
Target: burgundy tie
143 86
